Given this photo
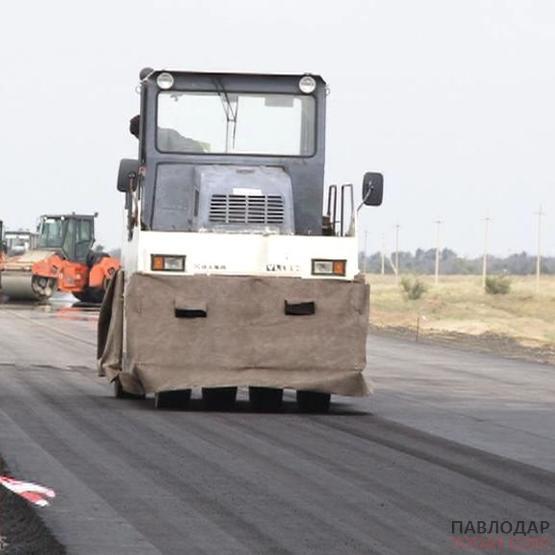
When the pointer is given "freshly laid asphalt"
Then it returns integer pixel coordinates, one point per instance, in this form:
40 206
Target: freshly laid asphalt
448 435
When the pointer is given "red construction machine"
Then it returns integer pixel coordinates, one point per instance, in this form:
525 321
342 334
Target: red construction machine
3 248
64 260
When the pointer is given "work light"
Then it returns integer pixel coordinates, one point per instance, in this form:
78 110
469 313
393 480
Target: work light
165 80
307 84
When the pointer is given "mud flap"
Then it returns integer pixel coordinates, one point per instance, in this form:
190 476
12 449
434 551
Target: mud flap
109 350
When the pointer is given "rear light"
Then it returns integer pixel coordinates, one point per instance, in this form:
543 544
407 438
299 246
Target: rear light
329 267
167 263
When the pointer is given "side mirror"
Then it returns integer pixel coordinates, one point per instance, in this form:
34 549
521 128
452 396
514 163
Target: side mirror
372 189
128 170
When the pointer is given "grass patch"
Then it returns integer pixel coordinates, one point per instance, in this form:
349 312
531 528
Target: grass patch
460 304
413 288
498 285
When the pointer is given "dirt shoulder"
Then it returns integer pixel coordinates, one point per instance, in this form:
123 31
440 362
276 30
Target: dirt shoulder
22 531
458 312
485 343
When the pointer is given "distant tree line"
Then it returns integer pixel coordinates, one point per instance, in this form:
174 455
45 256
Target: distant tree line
423 262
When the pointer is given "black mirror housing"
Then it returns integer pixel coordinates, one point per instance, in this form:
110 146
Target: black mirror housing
128 169
372 189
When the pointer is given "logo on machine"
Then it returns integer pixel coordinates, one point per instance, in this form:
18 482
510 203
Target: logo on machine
283 268
210 267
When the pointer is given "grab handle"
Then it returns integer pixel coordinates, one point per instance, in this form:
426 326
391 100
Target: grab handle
300 308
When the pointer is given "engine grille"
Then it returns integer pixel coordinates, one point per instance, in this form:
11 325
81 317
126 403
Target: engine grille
247 209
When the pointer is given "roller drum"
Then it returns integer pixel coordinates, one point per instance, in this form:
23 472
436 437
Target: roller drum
19 283
23 286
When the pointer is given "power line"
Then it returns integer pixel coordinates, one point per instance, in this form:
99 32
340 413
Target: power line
487 220
397 251
539 214
383 254
438 224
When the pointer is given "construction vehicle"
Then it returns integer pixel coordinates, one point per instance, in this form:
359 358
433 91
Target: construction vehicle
63 260
3 247
20 241
231 277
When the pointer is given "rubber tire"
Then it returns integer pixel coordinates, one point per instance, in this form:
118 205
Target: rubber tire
120 393
219 398
95 257
90 295
313 402
265 399
172 400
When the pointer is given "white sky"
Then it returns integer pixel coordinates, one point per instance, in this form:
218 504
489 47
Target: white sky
452 100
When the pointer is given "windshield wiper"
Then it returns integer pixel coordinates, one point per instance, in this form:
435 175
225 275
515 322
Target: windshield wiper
230 112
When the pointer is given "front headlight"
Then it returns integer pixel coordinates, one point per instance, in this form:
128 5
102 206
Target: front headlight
167 263
329 267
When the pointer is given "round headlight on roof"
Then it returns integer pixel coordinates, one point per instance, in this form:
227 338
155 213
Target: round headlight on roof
165 80
307 84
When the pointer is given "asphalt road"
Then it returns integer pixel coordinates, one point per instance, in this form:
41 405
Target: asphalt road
448 435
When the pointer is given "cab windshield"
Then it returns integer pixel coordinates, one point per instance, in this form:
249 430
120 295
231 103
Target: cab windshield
236 123
51 233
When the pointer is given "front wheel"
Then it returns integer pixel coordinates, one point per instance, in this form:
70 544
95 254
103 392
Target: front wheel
179 399
313 401
265 399
219 398
91 295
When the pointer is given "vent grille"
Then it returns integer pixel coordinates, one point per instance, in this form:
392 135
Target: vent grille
246 209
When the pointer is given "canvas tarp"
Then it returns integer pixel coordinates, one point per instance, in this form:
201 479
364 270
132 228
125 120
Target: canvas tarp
214 331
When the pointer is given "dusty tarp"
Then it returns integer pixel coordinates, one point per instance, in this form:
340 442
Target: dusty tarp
215 331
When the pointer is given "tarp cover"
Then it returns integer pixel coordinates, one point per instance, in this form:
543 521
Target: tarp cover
215 331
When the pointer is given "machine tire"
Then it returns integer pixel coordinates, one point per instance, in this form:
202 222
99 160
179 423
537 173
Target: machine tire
95 257
313 402
219 398
265 399
120 393
172 400
90 295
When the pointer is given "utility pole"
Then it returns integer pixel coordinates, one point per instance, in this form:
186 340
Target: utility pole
487 220
365 250
383 254
397 251
539 213
438 224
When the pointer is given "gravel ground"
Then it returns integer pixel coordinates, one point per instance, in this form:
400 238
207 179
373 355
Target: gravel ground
21 528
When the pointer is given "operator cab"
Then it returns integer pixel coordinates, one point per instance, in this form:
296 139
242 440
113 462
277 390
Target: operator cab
3 245
71 235
229 153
